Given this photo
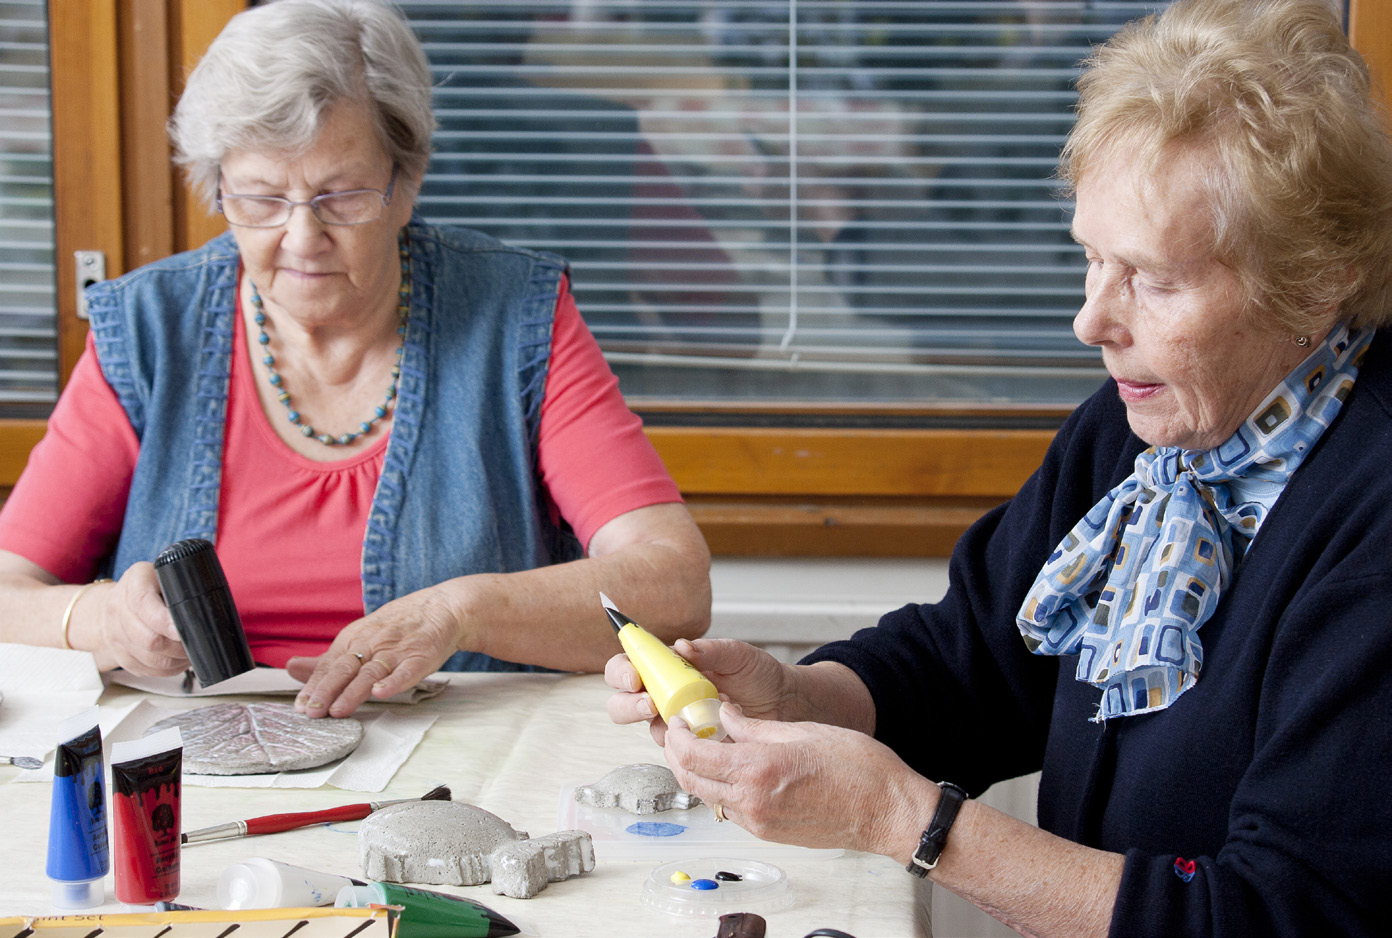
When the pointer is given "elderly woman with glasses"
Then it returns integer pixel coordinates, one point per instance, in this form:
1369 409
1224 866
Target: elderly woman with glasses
1182 619
402 438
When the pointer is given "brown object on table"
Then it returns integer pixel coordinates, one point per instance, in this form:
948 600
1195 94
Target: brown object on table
741 925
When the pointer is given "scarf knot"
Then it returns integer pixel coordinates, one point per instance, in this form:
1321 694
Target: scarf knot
1128 588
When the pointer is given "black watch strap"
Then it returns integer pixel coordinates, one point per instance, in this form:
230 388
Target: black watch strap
934 839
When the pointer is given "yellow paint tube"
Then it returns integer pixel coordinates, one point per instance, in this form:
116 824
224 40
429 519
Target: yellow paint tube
676 688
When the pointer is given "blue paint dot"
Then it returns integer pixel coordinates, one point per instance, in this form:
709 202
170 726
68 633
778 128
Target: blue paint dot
655 829
704 884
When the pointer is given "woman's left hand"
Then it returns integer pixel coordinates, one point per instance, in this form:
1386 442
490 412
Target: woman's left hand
378 656
809 784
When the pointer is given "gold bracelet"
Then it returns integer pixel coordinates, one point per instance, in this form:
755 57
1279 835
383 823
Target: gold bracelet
72 604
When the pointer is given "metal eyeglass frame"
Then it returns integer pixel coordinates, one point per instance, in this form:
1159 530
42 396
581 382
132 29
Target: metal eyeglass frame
314 203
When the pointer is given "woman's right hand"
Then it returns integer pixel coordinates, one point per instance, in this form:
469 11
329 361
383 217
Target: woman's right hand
127 625
751 677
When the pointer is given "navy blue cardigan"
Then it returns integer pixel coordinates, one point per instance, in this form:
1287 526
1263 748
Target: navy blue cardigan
1272 773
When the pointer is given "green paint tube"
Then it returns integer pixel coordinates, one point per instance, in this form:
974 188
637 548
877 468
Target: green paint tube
427 914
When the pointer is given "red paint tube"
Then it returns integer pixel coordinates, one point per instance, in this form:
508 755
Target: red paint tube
145 791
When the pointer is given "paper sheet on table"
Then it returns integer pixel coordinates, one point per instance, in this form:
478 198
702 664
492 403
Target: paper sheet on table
255 681
388 739
42 687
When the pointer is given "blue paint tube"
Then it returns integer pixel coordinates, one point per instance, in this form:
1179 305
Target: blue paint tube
79 855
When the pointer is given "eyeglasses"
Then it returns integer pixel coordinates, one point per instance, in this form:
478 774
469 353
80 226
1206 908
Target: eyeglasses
349 207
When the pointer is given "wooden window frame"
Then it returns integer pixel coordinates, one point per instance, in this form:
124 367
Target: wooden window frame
114 188
906 488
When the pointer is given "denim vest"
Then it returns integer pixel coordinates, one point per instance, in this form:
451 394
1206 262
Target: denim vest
459 491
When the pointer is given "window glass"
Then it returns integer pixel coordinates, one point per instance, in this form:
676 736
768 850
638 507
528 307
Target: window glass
28 335
770 201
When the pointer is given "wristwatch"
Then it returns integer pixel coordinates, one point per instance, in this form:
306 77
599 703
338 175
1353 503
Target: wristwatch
934 839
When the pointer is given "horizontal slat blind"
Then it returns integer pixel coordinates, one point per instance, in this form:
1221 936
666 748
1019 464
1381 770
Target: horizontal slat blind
28 333
770 201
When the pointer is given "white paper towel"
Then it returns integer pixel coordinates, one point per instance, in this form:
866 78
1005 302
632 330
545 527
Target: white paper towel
388 739
42 686
255 681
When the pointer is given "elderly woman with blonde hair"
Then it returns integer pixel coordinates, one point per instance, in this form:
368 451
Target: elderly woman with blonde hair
401 437
1182 617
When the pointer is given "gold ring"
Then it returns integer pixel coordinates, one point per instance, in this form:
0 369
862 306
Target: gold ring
719 813
358 655
383 664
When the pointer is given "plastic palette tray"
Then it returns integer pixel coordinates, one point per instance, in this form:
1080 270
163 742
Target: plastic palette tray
762 887
623 835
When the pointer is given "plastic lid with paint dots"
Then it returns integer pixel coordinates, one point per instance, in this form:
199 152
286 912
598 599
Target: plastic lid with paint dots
713 886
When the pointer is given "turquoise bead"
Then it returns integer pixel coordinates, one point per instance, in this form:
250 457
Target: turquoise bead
403 313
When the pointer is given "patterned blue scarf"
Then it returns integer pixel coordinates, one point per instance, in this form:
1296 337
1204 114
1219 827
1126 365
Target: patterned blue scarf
1127 589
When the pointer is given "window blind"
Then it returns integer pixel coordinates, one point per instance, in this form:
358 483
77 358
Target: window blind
28 334
784 200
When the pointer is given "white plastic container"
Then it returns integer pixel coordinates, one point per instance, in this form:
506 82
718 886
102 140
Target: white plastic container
258 883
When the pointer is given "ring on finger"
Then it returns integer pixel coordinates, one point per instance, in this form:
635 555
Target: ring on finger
359 655
719 812
383 664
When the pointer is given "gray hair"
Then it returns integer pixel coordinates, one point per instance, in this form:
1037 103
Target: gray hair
271 75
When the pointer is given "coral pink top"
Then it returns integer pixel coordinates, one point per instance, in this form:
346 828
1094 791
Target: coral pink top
290 530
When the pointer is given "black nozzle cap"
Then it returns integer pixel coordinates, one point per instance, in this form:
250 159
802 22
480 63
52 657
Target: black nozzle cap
188 569
200 603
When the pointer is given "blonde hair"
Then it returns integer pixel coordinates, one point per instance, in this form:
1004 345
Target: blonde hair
1272 98
270 77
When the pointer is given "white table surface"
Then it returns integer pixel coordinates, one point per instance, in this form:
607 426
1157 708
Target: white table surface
508 743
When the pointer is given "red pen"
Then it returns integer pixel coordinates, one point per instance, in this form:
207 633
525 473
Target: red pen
275 823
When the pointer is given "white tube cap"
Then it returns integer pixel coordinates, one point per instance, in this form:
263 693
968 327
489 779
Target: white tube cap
249 885
356 897
83 894
703 716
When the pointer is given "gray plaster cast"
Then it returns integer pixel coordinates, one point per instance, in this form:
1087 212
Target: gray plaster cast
256 738
524 868
458 844
642 789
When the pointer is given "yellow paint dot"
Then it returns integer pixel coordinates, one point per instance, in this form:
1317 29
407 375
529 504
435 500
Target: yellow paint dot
680 877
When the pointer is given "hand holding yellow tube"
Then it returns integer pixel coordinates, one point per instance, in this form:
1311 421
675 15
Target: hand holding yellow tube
676 688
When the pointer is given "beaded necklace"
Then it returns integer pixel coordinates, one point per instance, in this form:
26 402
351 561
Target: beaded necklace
403 312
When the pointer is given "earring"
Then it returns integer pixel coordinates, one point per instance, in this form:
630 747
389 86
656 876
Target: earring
1302 340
